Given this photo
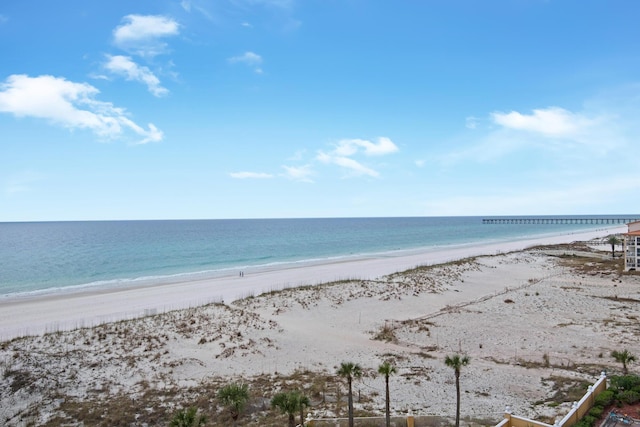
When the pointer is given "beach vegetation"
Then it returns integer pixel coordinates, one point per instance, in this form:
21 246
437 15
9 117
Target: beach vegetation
387 370
349 371
623 390
234 397
566 389
386 333
456 362
291 403
188 418
626 389
624 357
605 398
613 240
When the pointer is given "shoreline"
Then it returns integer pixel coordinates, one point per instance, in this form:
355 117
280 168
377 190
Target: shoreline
90 306
159 275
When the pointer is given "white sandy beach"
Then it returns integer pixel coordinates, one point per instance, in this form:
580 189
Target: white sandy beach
530 323
87 307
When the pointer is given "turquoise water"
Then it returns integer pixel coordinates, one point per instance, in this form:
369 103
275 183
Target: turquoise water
43 256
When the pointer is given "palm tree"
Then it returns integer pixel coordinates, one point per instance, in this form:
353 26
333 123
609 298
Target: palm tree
235 398
623 357
613 241
188 418
387 370
457 362
350 371
304 403
290 403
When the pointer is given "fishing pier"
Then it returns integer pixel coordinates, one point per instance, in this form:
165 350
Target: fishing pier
563 220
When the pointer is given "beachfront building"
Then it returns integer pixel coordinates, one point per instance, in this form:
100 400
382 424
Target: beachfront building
632 246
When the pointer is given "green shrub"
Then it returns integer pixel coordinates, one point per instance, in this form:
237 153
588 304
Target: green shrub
589 420
605 398
596 411
629 397
625 382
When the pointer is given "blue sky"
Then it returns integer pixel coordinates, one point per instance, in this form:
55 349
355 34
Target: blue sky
318 108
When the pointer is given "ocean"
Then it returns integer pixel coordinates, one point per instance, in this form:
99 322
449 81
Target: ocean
38 257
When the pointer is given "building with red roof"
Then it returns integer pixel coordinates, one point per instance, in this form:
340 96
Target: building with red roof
632 247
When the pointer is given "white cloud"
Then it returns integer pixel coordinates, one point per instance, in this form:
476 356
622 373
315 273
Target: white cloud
141 34
124 66
71 105
553 121
248 58
300 173
471 122
554 130
354 167
250 175
297 156
346 148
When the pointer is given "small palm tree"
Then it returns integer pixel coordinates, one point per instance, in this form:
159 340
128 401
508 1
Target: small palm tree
235 398
613 241
304 403
387 370
350 371
188 418
457 362
623 357
290 403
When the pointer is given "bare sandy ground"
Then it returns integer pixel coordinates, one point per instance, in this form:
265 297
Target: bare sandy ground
532 324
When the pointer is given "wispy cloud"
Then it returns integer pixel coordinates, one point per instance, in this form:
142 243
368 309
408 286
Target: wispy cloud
3 19
71 105
471 122
282 4
354 167
584 196
200 6
345 149
142 34
124 66
551 129
348 147
299 173
552 121
22 182
250 175
250 59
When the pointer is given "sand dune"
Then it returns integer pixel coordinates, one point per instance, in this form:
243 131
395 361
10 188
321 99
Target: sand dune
531 322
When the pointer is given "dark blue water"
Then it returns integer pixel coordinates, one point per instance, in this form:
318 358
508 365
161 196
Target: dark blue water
47 255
